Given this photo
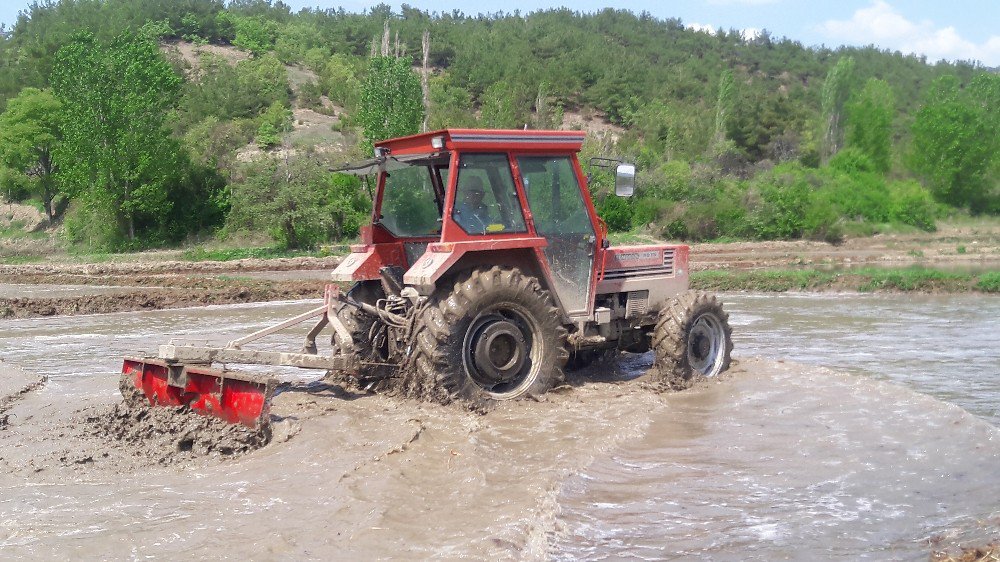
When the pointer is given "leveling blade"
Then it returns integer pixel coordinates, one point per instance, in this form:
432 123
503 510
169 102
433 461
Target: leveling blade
228 395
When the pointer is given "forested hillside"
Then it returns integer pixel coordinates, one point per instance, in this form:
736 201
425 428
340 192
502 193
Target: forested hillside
141 123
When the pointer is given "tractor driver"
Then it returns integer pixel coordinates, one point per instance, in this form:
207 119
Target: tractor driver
471 213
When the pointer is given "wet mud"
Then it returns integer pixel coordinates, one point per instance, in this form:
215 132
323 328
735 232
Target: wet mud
182 295
34 290
164 435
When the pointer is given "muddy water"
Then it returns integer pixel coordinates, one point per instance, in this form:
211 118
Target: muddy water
947 346
780 460
11 291
793 463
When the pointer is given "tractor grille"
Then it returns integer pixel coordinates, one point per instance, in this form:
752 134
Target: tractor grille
638 272
636 304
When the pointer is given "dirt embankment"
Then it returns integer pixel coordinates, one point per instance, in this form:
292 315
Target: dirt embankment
159 285
949 247
162 284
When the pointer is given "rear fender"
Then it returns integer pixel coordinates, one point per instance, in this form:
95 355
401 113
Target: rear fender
365 261
442 259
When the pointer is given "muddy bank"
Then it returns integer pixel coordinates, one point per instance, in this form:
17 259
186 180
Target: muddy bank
950 246
147 264
865 280
157 285
230 292
737 266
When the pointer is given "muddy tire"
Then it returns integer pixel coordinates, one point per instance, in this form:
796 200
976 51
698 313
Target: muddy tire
491 335
365 351
692 339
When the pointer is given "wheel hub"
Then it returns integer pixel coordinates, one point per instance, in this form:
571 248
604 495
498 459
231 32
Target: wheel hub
499 351
706 340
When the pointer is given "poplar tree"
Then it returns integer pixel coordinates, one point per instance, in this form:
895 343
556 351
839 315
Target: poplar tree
115 149
869 122
836 90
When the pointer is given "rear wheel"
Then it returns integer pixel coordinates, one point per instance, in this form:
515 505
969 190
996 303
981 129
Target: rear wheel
492 336
692 339
370 348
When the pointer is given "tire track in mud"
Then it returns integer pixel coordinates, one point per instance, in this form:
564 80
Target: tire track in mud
15 384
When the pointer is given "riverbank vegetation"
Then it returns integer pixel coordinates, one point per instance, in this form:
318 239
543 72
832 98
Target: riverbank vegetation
863 280
244 106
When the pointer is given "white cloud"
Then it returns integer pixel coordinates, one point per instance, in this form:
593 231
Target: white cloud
748 33
741 2
702 28
880 24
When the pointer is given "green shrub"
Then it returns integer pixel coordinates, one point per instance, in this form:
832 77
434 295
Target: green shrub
647 210
672 181
273 122
912 204
853 162
779 212
989 282
616 212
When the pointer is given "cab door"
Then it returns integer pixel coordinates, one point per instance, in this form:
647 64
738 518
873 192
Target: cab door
560 216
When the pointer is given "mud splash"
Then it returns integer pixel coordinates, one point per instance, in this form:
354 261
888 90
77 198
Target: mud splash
166 435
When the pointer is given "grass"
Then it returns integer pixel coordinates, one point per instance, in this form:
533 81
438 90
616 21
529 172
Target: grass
15 231
230 254
18 260
865 280
912 279
989 282
630 237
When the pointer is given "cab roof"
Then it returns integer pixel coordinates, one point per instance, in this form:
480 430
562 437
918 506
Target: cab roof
486 139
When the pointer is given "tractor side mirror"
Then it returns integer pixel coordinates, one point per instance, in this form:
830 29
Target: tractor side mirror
625 180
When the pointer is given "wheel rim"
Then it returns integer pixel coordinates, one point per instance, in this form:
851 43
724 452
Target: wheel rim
500 351
706 344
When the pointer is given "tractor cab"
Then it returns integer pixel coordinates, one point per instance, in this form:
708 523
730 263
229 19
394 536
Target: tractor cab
454 199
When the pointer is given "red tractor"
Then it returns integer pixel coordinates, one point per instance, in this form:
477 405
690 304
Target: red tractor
485 269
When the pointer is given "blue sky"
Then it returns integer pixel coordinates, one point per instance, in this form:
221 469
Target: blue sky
963 29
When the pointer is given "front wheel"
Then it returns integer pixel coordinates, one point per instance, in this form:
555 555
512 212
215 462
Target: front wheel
492 336
692 339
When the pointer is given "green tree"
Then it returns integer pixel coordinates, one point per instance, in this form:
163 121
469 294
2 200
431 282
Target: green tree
297 202
254 34
274 122
115 148
723 106
497 110
869 122
340 82
348 205
451 106
836 90
956 142
29 132
391 100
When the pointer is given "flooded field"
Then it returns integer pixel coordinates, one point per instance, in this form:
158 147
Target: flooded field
13 291
860 427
